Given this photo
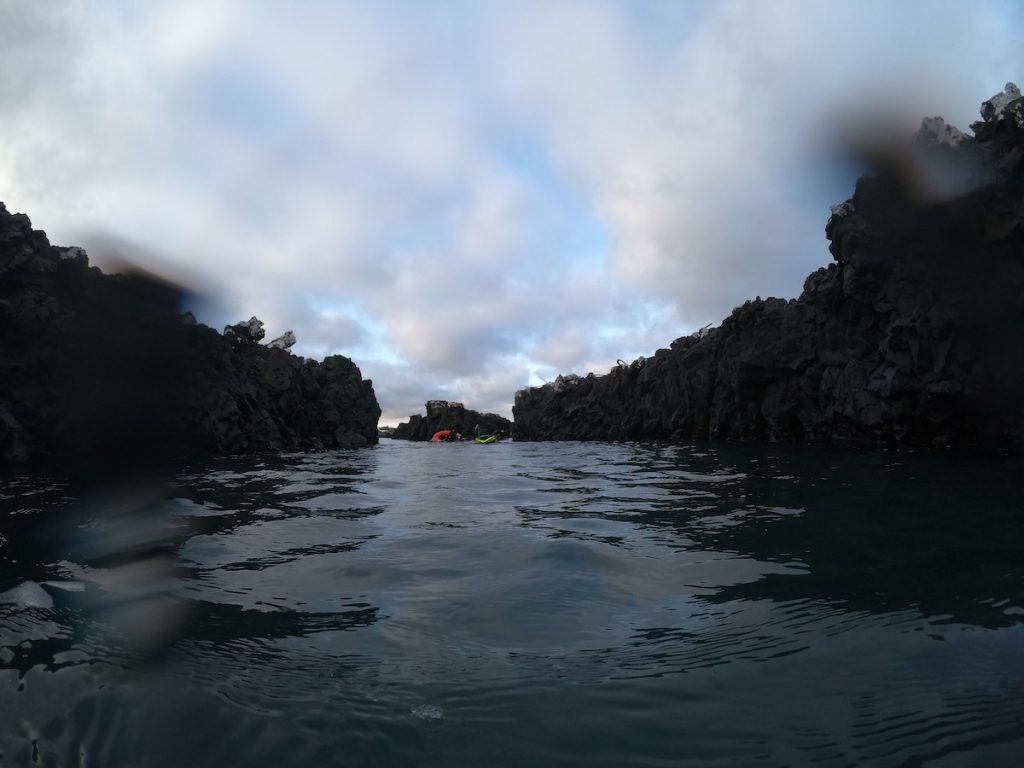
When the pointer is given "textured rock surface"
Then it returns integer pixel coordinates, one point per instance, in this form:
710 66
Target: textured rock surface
914 334
102 370
441 414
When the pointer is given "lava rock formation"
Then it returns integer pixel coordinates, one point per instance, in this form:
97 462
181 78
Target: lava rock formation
101 372
913 335
441 414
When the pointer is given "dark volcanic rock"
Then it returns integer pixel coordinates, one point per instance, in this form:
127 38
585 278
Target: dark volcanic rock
259 398
101 372
913 335
244 335
440 414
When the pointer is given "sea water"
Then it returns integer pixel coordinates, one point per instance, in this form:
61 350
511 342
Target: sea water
518 604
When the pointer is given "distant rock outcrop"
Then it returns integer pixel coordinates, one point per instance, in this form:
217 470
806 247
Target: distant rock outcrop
441 414
913 335
285 341
101 371
244 335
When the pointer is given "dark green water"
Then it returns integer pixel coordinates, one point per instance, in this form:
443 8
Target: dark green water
527 605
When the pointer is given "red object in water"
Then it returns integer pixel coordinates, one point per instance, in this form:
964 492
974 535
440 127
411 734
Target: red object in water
444 435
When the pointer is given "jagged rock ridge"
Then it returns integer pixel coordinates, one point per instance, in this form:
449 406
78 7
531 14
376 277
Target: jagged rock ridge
101 370
913 334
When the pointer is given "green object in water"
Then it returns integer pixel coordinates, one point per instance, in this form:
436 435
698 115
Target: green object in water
486 439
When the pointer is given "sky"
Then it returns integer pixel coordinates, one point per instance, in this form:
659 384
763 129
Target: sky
468 198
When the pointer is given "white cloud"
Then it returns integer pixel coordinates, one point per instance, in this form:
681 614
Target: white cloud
463 197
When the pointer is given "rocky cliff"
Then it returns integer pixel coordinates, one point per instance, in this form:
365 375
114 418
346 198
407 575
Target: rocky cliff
913 334
441 414
101 371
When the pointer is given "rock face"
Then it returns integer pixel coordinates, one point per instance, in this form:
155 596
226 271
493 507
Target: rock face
914 334
441 414
101 371
262 398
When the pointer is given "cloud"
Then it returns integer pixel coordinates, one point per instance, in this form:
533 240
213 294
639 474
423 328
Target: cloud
470 197
695 150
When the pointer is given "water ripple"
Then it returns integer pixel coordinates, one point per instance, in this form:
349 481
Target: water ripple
542 604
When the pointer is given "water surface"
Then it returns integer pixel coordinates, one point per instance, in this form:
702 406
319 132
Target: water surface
527 604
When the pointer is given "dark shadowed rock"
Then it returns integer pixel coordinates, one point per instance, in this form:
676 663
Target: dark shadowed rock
243 335
441 414
913 335
101 372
